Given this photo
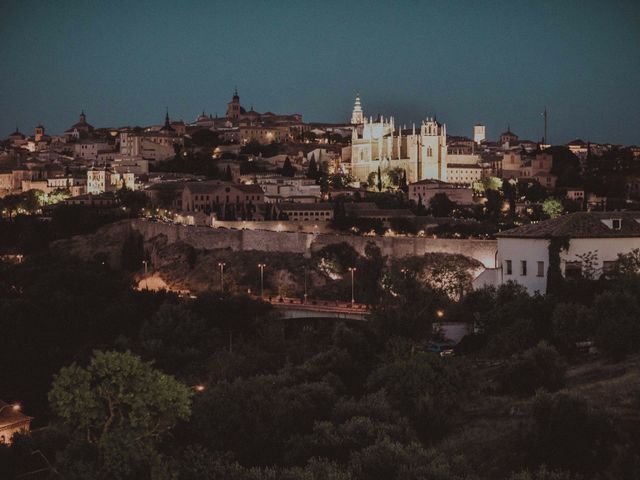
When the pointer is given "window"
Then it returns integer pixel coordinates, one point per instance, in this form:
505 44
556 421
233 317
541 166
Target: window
523 268
616 223
540 269
509 271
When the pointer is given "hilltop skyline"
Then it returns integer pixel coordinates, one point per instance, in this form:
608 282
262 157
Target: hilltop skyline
498 65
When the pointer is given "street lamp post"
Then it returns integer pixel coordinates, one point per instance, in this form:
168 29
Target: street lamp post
352 270
262 265
305 284
146 284
221 265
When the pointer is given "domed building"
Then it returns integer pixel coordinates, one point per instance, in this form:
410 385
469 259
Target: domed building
82 129
16 137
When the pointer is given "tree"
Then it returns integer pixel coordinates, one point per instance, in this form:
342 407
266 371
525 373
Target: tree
31 200
571 323
493 205
379 181
116 410
312 170
288 170
135 201
441 206
552 207
423 387
629 263
11 203
403 182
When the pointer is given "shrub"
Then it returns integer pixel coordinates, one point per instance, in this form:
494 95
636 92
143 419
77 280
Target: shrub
569 434
538 367
618 317
571 323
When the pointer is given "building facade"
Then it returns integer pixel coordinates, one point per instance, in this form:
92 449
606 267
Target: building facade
379 145
523 252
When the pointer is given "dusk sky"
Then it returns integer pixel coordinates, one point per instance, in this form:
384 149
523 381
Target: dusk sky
467 62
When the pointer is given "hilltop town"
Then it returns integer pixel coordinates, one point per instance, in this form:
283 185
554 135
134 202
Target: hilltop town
311 301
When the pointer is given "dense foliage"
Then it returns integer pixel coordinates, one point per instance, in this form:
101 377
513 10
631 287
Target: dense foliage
308 400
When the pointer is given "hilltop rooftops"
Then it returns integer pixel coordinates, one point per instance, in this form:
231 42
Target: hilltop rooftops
581 225
208 186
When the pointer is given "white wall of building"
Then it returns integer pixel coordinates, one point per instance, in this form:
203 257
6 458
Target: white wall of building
529 250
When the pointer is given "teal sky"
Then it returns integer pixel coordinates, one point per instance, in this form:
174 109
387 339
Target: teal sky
492 62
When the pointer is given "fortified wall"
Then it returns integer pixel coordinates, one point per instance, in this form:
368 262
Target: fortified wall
207 238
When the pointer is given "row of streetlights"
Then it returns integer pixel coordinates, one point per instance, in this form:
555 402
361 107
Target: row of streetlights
262 266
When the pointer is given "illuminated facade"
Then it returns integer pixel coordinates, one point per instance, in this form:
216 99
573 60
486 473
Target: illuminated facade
422 153
357 116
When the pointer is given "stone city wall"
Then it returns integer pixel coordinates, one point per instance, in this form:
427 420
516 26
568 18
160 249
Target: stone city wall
301 242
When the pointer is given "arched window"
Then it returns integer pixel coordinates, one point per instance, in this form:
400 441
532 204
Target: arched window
429 152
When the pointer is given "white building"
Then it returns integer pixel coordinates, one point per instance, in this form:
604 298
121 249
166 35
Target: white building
464 174
479 133
304 212
425 190
523 252
289 189
104 179
89 149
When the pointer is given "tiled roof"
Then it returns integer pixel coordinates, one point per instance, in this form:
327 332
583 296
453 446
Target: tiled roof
580 225
463 165
206 187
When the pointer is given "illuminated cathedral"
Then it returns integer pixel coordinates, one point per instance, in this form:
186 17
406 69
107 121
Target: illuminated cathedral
422 153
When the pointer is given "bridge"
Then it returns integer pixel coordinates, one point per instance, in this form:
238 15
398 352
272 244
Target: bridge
293 308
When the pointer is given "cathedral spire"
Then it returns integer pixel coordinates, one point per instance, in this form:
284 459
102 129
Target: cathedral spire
166 118
357 116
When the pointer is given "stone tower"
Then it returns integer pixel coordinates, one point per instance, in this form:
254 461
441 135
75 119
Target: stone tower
39 133
433 150
233 107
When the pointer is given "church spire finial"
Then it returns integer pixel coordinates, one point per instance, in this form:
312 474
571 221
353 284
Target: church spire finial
166 118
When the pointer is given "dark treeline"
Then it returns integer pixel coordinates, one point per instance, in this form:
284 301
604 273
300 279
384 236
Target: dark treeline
312 401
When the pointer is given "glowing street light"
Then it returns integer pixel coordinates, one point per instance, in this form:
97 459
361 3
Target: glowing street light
261 266
352 270
440 313
15 407
199 388
221 265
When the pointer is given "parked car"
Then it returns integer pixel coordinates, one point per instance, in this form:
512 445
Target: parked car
444 349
